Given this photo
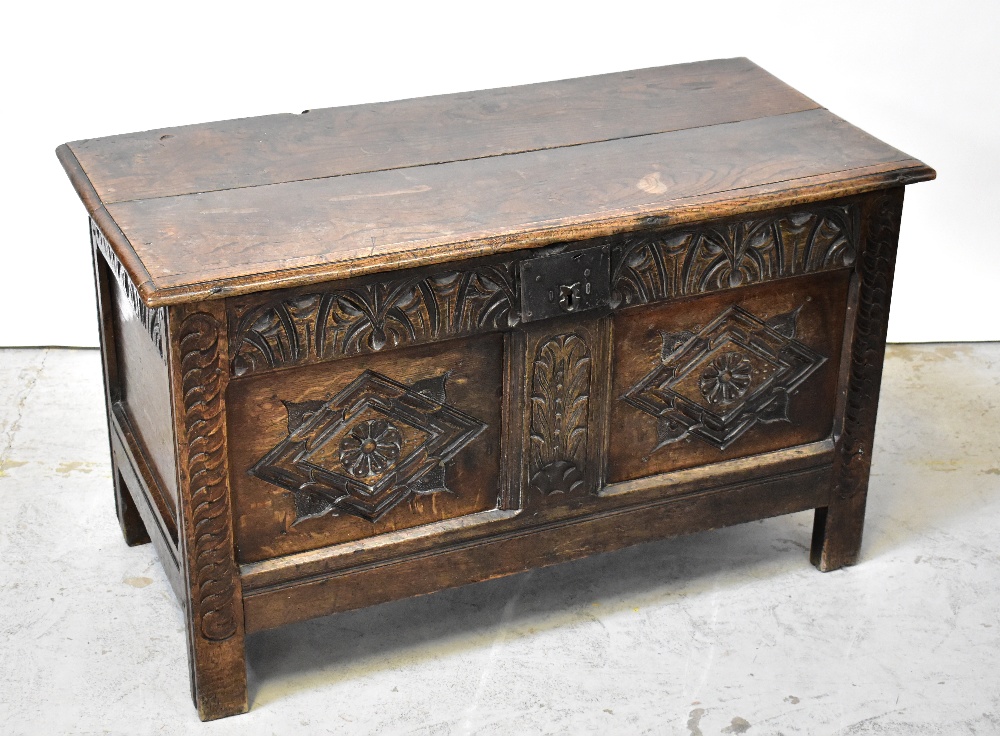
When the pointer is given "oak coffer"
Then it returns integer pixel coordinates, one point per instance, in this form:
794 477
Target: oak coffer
369 352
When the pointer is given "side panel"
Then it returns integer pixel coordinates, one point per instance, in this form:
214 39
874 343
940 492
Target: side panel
143 382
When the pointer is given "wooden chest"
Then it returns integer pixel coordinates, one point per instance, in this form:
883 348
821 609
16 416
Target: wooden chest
371 352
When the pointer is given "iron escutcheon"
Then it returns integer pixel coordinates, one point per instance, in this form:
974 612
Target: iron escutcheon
565 283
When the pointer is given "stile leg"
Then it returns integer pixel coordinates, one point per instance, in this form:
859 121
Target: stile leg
199 374
837 529
133 528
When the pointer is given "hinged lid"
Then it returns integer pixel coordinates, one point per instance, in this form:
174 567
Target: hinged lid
239 206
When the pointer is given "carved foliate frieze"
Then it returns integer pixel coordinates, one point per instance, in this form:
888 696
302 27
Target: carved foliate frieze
715 384
651 266
203 374
560 399
368 448
153 320
336 320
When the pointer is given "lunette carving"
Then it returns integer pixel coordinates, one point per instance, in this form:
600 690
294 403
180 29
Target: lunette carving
371 317
203 372
560 399
651 266
715 384
365 450
153 320
875 268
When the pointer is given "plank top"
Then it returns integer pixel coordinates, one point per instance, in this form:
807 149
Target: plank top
244 205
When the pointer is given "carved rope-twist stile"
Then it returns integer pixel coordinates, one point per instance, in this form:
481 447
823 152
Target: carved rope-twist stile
152 319
868 348
202 374
652 266
367 318
559 402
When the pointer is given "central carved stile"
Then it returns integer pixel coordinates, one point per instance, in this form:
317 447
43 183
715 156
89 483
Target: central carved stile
560 399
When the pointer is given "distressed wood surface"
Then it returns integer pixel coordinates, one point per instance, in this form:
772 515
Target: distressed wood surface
232 240
365 353
238 211
390 135
508 552
838 528
213 599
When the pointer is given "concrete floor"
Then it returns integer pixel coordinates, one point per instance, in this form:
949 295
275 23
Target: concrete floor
724 632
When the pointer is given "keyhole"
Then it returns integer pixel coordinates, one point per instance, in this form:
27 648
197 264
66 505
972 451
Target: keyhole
569 296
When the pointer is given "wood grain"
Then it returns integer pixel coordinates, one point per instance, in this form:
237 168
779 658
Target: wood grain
506 554
359 399
197 359
838 528
145 391
416 132
238 240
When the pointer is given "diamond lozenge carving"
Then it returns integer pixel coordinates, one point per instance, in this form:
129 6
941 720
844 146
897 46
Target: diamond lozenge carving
368 448
714 385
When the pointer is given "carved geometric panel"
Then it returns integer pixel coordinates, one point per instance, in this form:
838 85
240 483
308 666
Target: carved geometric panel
560 399
714 385
368 448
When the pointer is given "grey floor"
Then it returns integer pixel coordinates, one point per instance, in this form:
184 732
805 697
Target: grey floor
724 632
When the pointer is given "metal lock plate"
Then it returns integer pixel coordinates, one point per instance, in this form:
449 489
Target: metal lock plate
565 283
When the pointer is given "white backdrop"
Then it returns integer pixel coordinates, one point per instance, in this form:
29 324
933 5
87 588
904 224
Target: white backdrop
920 75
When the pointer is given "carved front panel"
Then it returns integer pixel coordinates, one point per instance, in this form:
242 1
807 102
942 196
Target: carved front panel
378 404
341 451
368 448
724 376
